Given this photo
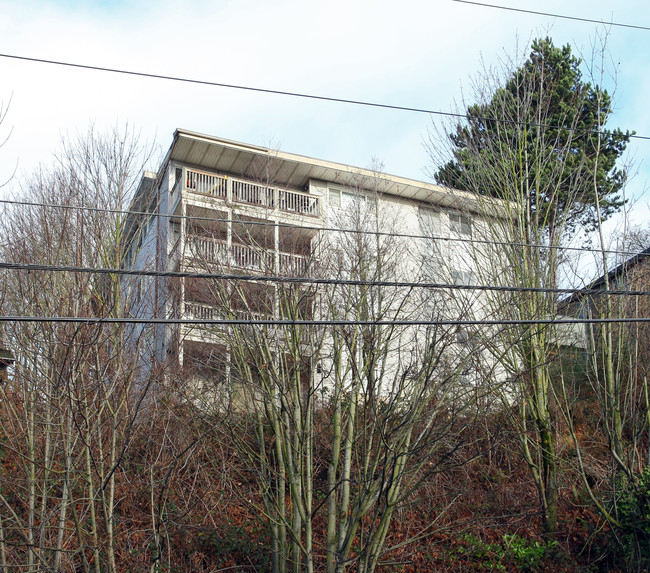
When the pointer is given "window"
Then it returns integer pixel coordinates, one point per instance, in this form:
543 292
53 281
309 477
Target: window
429 221
460 224
178 175
430 248
335 198
348 199
466 337
340 199
147 283
175 232
463 277
136 290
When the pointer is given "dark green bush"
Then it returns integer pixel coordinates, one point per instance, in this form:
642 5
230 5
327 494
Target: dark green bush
633 513
234 544
512 552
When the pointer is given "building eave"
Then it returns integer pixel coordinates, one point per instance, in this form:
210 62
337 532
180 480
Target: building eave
612 276
296 171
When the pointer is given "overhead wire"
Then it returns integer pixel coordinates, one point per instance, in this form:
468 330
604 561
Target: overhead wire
310 96
287 93
90 321
452 239
30 267
257 278
554 15
266 278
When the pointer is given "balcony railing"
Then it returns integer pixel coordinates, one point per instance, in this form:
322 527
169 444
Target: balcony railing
216 251
208 250
302 203
292 265
252 193
206 184
198 311
246 258
249 193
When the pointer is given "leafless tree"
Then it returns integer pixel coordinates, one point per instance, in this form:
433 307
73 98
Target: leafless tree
340 420
527 160
618 373
69 410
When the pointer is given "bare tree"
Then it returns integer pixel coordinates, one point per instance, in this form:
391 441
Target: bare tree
70 408
520 143
618 375
399 407
340 420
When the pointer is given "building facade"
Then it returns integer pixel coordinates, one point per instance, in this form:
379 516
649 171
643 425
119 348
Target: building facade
219 208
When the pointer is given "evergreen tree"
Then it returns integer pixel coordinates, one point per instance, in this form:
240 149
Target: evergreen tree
553 121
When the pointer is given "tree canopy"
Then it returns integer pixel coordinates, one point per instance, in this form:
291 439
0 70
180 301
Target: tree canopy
549 123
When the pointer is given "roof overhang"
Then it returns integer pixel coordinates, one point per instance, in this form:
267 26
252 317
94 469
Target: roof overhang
295 171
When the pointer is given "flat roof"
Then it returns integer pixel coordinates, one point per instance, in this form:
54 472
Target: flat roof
292 170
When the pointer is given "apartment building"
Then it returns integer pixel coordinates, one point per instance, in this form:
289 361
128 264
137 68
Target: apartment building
234 209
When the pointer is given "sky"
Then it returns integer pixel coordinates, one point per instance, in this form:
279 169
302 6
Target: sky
413 53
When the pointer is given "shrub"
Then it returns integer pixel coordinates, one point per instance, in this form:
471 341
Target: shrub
234 544
632 505
513 552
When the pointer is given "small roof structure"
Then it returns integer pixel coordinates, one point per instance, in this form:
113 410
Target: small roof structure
620 271
7 358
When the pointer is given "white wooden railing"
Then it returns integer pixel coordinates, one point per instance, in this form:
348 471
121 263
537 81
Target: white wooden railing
216 251
242 191
209 250
198 311
296 202
245 192
206 249
246 258
205 183
292 265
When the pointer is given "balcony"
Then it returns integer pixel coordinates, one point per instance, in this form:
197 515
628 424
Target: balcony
234 190
200 311
292 265
217 251
253 194
205 183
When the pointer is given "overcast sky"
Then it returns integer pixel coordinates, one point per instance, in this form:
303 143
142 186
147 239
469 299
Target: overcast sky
412 53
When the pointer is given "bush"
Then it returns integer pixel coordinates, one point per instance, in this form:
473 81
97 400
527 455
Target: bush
233 544
632 505
513 552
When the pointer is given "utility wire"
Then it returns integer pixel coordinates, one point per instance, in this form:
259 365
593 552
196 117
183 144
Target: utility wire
286 93
314 280
89 321
552 15
316 228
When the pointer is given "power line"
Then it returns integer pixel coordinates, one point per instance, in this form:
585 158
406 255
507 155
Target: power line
314 280
286 93
323 229
552 15
93 321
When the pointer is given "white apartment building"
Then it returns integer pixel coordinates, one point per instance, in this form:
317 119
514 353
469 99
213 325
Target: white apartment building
219 206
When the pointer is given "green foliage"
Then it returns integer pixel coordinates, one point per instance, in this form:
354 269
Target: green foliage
528 555
512 552
633 513
234 542
549 123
